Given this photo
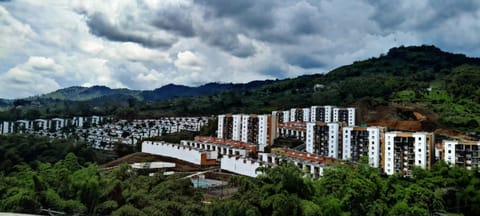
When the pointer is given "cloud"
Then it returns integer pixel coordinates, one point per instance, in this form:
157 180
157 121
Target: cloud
176 18
33 77
14 33
144 44
189 61
101 26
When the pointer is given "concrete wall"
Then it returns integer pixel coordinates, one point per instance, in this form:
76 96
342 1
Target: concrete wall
185 153
240 165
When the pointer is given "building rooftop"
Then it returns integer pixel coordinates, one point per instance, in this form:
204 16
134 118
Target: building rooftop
232 143
303 156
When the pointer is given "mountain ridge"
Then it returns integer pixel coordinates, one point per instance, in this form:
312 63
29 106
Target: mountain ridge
406 81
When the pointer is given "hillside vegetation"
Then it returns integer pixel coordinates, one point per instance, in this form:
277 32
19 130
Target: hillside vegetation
58 180
443 87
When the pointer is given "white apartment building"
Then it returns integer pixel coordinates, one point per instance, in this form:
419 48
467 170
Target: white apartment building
246 128
404 150
323 139
321 114
6 127
360 141
346 115
300 114
282 116
462 153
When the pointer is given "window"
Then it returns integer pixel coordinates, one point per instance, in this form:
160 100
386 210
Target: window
419 150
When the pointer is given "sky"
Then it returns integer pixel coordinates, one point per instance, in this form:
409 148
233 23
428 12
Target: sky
46 45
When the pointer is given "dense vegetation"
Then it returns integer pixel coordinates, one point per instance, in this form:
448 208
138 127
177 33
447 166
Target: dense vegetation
18 149
348 190
83 188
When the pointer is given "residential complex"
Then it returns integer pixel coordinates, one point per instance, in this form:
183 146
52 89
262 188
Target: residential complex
327 135
103 133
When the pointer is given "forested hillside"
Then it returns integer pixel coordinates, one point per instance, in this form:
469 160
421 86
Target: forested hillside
443 85
38 179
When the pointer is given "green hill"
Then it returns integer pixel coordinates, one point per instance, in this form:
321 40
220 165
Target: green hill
440 85
393 89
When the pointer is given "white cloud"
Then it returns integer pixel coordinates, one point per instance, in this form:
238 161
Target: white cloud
188 60
144 44
31 78
14 34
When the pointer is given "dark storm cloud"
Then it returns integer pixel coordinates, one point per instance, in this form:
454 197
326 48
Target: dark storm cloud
412 16
229 42
100 26
249 13
177 20
305 61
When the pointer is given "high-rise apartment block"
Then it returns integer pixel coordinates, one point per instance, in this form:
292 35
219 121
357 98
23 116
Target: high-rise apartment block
300 114
323 139
363 142
246 128
346 115
281 116
321 114
404 150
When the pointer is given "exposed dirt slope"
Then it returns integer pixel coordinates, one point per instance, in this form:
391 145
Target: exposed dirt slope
405 117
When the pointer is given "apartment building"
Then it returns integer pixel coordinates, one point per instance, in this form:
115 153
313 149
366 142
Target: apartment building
295 130
404 150
300 114
321 114
363 142
346 115
462 153
229 126
323 139
6 127
40 124
255 129
281 116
